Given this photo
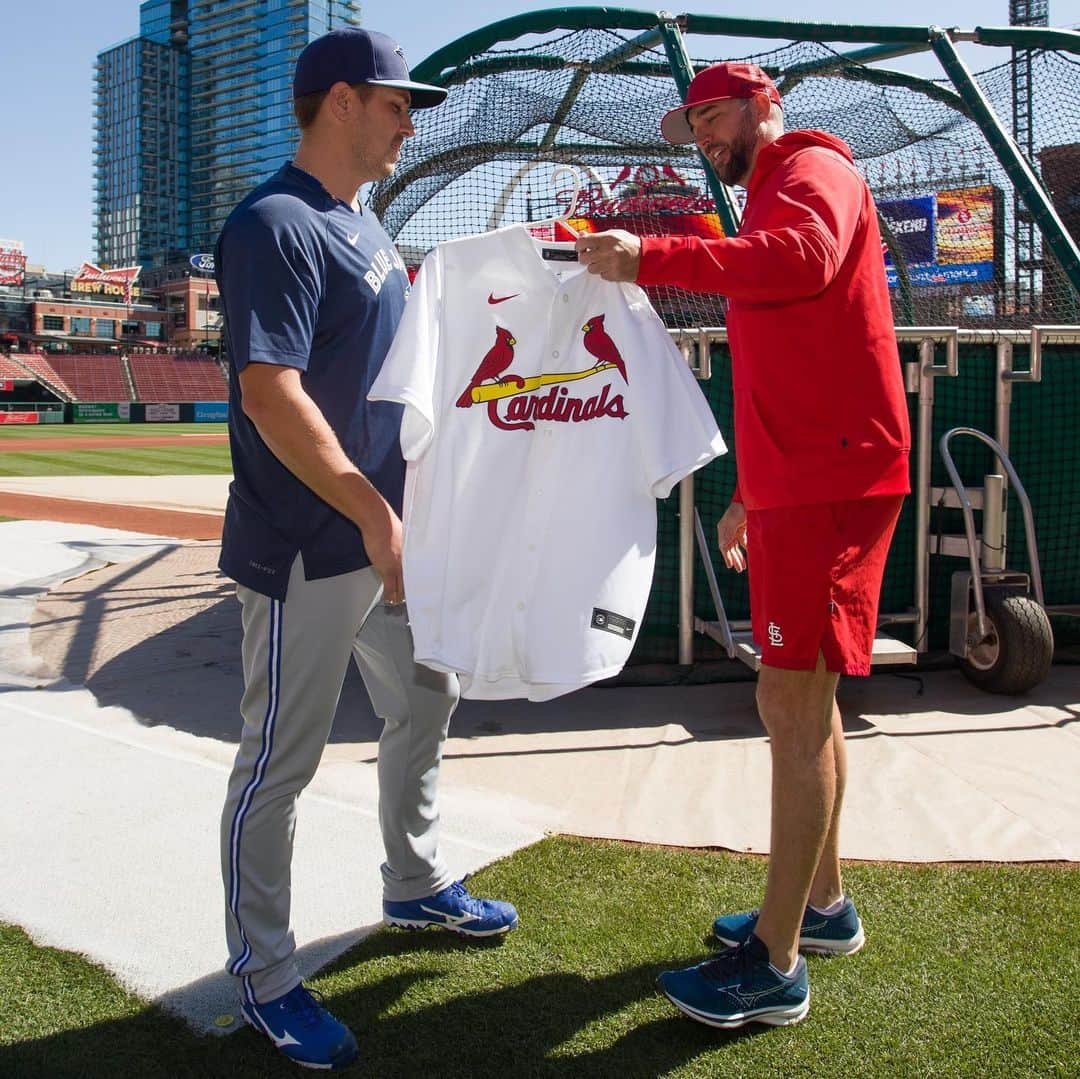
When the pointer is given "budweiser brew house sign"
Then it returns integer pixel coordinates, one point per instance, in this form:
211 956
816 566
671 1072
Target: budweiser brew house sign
118 282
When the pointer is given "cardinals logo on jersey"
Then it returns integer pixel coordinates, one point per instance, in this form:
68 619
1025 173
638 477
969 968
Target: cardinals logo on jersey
600 345
491 384
498 359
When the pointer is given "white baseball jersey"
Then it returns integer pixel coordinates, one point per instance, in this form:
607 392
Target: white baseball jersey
545 412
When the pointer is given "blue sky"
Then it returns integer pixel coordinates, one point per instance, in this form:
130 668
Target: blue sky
48 47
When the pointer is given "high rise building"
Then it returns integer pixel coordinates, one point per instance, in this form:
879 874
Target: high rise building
193 113
141 152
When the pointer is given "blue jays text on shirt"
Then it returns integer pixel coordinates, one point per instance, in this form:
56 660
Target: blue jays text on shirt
382 265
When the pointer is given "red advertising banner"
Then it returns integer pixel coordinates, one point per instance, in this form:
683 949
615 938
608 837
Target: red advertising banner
6 385
18 417
118 282
648 200
706 225
12 263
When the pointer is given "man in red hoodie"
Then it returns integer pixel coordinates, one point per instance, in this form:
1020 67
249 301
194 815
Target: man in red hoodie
822 441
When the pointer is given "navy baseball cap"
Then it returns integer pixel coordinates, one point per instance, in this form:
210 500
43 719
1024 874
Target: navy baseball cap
353 55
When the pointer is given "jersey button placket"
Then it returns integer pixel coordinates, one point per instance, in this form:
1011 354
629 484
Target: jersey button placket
541 481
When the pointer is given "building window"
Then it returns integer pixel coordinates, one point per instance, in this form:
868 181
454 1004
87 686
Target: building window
105 327
80 326
52 322
129 329
153 330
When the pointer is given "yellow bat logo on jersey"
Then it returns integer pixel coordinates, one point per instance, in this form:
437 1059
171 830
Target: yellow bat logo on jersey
496 391
491 384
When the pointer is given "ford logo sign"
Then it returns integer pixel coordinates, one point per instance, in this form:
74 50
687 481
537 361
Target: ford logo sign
202 263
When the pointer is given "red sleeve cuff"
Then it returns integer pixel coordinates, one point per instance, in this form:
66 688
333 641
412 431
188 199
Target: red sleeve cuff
655 253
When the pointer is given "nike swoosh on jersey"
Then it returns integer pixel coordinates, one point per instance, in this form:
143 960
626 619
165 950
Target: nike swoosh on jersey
352 237
492 298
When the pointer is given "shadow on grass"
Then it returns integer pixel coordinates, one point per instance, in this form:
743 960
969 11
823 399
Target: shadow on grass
546 1025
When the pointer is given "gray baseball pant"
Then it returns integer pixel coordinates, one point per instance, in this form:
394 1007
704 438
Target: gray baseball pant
295 653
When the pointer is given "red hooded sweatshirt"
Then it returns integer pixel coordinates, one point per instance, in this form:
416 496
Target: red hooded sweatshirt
820 412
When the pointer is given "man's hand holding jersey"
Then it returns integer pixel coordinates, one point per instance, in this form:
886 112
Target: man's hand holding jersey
614 255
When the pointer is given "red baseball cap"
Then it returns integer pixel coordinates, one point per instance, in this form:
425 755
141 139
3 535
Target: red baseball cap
716 83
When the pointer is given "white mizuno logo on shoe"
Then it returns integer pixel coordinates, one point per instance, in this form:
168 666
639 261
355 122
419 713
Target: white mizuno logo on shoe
451 919
257 1021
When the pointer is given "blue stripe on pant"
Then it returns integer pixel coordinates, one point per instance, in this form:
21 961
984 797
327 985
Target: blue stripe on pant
295 655
273 697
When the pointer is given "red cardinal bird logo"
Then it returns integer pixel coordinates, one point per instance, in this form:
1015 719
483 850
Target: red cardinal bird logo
498 359
599 344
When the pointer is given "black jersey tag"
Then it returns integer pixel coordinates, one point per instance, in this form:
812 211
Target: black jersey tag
558 254
611 622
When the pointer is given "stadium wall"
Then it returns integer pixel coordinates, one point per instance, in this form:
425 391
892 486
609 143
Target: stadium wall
146 412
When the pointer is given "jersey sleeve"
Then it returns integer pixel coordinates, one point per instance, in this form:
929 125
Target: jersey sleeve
270 280
409 372
676 432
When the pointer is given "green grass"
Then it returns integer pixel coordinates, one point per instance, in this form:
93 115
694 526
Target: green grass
967 971
108 430
194 460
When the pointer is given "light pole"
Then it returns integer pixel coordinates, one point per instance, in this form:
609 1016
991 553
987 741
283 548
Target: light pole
204 264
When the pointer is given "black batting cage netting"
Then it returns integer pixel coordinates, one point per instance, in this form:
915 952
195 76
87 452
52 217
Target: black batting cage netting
976 177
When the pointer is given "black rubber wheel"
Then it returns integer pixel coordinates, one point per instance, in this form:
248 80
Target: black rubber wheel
1019 649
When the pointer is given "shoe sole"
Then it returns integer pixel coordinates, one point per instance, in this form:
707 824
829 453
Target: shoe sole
781 1017
824 946
342 1062
460 930
815 945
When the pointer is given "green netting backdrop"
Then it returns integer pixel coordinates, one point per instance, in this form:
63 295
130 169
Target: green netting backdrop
593 98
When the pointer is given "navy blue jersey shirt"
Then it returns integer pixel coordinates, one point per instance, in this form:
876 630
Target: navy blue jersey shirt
310 283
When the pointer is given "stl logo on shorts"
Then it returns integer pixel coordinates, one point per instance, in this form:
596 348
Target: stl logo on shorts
492 383
776 638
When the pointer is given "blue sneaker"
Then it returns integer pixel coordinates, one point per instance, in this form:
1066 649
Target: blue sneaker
739 986
303 1029
823 934
454 909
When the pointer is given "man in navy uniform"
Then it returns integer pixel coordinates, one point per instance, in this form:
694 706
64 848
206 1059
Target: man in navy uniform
312 290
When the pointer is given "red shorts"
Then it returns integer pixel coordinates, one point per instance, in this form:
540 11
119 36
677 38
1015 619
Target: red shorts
815 581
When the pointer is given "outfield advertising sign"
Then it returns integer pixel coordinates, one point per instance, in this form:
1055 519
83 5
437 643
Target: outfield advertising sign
35 414
101 412
211 411
162 413
948 238
911 222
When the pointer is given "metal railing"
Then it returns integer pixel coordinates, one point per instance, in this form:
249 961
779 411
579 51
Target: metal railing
919 378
